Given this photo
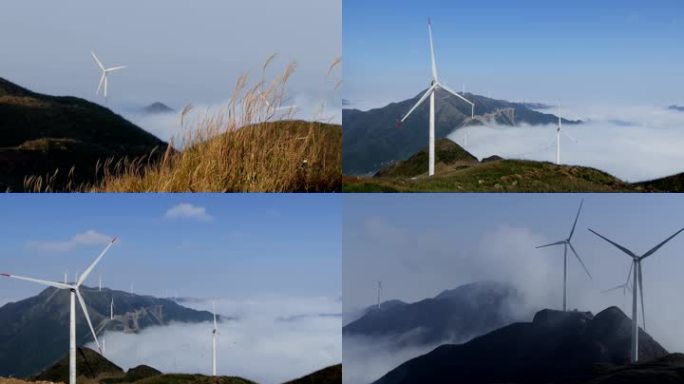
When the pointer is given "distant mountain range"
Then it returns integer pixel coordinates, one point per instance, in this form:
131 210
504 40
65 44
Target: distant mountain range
678 108
158 108
93 367
40 134
35 331
371 139
452 316
556 347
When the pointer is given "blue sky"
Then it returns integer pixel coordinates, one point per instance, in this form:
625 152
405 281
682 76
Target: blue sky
607 51
201 245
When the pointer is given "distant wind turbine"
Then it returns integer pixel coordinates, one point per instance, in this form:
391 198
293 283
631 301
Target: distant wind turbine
379 291
74 294
434 86
111 308
637 281
100 284
559 131
566 243
213 342
104 79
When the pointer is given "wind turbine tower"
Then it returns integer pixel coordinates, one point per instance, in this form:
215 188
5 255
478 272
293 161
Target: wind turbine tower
74 293
637 281
379 291
213 343
434 86
567 244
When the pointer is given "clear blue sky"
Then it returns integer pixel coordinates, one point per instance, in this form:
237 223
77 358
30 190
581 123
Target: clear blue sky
523 50
241 245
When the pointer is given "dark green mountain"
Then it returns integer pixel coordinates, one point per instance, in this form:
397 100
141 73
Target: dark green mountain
371 139
40 134
35 331
454 315
93 367
556 347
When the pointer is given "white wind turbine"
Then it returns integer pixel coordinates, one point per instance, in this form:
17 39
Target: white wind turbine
74 294
104 80
566 243
434 86
111 308
213 342
637 281
559 131
379 291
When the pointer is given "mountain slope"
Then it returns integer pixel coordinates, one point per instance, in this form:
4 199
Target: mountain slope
453 315
329 375
40 134
555 347
371 139
35 331
456 170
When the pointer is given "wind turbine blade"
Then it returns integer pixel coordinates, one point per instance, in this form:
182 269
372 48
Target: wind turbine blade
99 86
432 52
90 324
614 288
85 274
43 282
420 101
444 87
568 135
99 63
115 68
649 253
576 217
549 245
620 247
641 293
579 259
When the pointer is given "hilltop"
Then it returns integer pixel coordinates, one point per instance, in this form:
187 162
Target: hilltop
456 170
157 108
372 139
29 323
42 134
278 156
557 346
453 315
95 368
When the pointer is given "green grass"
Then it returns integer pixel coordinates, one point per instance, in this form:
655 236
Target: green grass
496 176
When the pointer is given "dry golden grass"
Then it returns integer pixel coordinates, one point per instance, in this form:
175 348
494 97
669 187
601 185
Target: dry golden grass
250 145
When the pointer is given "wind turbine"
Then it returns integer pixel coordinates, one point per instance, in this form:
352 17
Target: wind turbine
111 308
74 294
559 130
104 80
100 284
434 86
637 280
379 290
566 243
213 343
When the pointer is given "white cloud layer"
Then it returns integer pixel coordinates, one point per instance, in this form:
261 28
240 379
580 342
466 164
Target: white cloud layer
188 211
268 340
633 143
90 237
